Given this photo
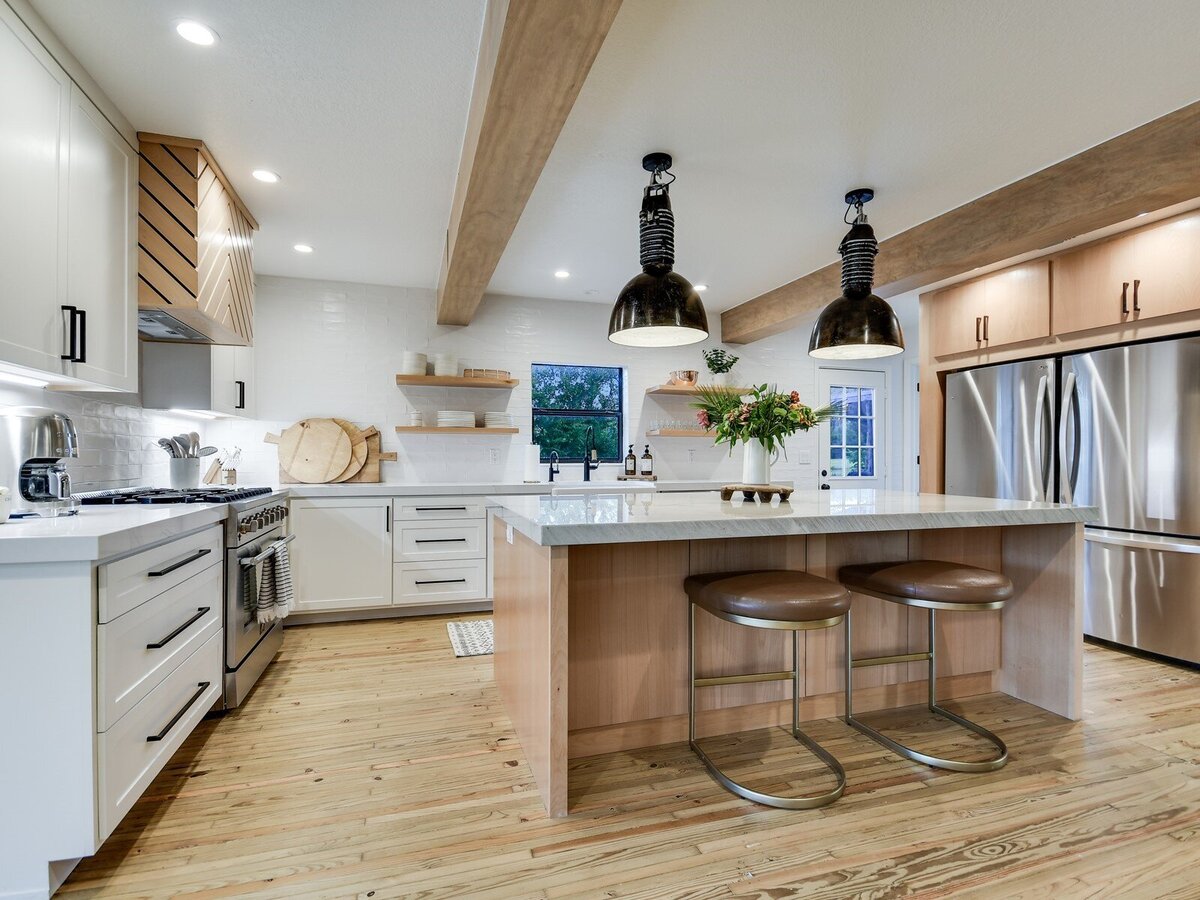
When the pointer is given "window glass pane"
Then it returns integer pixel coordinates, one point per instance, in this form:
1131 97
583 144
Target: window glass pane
837 466
576 387
835 395
567 435
851 397
866 406
866 463
836 431
866 432
851 432
852 463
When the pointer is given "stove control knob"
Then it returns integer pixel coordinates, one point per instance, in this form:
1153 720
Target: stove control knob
244 528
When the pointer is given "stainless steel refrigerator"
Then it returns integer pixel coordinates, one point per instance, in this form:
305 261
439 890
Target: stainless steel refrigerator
1118 429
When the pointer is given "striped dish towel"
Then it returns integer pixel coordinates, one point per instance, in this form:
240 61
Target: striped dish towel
275 592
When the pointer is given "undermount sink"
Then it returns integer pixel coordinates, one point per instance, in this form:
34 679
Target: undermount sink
603 487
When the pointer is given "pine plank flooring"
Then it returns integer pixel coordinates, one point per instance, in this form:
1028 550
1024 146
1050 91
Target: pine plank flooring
370 763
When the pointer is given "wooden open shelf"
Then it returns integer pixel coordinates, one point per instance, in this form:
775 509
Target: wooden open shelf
457 381
683 391
427 429
678 432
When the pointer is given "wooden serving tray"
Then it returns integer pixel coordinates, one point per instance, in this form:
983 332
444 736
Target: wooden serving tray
764 492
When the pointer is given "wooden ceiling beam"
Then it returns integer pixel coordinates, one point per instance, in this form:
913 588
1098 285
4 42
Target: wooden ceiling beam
1148 168
533 58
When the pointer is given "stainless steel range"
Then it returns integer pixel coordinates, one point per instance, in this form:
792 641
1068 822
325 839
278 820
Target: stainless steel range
257 519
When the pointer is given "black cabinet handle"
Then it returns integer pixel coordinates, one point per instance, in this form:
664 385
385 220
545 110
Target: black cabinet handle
440 541
179 565
441 509
241 404
162 642
985 328
166 729
72 333
1125 298
445 581
977 321
1136 306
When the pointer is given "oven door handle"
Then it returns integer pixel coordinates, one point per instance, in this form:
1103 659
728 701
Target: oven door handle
255 560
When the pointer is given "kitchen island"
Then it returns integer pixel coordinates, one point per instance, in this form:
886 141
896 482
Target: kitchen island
591 619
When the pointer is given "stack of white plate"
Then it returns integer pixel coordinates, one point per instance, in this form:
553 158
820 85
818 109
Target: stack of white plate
414 363
455 418
497 420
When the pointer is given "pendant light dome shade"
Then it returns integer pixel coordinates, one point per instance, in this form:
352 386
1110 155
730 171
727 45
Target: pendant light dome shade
858 324
659 307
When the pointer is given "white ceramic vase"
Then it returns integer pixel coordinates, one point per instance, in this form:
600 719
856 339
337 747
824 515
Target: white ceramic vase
756 463
722 379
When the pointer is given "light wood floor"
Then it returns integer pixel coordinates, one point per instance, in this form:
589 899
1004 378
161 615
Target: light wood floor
370 762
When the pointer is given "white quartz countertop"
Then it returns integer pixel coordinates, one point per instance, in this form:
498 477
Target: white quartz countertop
483 489
101 532
615 518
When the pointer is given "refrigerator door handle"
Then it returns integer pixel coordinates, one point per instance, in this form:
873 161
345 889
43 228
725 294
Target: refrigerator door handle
1070 410
1041 437
1143 541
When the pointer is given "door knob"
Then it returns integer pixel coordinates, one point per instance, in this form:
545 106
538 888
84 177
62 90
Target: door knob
824 487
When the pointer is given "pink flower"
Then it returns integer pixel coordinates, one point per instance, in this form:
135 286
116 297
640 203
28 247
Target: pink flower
702 418
795 396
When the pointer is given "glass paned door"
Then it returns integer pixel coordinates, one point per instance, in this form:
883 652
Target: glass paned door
852 444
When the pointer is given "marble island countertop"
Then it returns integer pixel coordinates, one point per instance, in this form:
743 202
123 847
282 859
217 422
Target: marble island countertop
615 518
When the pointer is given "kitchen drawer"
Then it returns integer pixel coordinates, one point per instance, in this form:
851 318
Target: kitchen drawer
439 582
418 509
127 759
130 582
180 620
425 541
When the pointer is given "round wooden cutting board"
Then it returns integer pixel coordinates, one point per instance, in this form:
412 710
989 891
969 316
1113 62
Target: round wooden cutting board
358 450
315 451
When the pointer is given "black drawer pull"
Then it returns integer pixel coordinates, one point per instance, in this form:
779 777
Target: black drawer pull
445 581
440 541
166 729
179 565
241 386
159 644
440 508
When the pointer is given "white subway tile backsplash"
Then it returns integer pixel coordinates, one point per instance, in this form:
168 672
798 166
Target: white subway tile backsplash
326 349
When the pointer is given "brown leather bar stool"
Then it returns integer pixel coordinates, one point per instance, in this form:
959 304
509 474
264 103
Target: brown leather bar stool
933 585
792 601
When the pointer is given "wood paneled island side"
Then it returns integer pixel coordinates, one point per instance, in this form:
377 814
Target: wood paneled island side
591 616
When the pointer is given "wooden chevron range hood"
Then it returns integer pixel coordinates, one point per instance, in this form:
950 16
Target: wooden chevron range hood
195 247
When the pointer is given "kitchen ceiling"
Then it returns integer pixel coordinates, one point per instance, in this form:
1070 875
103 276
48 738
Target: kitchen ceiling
771 108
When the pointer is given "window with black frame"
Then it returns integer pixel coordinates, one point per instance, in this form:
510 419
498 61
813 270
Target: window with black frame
567 399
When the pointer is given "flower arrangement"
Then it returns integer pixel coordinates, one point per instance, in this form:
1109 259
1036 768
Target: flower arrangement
765 414
719 361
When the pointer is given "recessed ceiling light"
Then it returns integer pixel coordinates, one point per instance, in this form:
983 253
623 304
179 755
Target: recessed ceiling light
302 248
196 33
701 287
562 273
265 175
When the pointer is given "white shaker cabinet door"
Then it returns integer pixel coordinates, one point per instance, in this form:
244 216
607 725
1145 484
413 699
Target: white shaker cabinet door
342 554
233 380
35 94
102 248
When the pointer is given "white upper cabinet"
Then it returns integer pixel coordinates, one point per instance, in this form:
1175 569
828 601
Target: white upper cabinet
67 226
34 102
101 248
206 377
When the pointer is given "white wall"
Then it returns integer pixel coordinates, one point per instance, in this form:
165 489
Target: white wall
331 348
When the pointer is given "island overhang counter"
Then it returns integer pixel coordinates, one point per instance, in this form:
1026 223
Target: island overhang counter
591 618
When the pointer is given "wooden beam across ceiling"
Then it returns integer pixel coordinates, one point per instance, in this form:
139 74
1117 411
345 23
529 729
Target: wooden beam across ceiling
533 58
1148 168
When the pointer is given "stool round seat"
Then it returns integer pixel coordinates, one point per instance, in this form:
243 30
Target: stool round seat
775 596
930 583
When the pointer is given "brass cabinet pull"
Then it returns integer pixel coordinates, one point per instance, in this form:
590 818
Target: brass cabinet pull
1125 298
977 321
985 328
1136 306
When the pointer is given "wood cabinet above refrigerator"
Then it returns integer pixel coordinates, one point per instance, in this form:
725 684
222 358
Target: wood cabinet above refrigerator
1005 307
195 247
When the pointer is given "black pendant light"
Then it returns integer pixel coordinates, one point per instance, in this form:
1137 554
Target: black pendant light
659 307
858 324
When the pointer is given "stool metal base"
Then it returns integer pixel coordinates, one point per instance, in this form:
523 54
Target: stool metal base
810 801
937 762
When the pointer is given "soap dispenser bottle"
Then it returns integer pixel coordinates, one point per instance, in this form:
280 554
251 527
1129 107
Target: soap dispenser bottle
630 462
647 462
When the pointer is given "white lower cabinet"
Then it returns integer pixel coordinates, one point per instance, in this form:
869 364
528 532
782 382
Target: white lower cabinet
420 583
342 554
